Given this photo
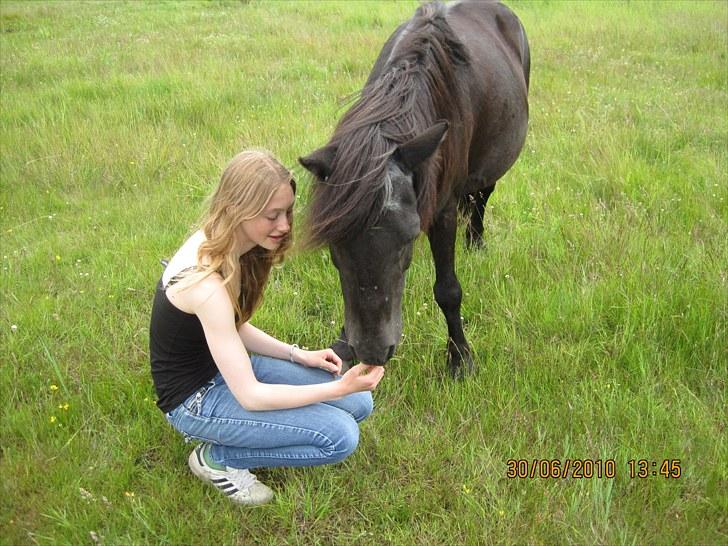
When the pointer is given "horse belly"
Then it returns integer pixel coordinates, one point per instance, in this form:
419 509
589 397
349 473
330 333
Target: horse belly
494 149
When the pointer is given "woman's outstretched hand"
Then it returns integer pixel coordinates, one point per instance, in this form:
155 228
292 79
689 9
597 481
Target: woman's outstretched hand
362 377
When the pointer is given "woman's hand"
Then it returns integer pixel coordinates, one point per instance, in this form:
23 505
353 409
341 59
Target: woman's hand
326 359
362 377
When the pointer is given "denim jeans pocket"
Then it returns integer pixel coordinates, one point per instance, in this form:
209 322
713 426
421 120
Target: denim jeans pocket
193 404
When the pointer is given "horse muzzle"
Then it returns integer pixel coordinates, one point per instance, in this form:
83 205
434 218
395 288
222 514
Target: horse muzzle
369 354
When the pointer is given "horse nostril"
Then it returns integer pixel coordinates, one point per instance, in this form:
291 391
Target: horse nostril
390 352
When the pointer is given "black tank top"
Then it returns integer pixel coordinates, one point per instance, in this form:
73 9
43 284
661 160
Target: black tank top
180 357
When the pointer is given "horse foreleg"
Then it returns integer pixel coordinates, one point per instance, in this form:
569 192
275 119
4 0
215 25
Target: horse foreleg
341 348
474 231
448 292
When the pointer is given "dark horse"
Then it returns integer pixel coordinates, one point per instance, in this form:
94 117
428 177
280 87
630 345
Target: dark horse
441 118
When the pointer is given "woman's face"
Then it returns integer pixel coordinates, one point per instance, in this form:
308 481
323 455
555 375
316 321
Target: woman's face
270 227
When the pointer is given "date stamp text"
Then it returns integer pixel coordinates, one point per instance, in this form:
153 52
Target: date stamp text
591 468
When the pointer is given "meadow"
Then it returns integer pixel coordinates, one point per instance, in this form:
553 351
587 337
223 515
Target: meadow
597 311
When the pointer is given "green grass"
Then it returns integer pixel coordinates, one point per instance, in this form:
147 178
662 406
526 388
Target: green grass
598 310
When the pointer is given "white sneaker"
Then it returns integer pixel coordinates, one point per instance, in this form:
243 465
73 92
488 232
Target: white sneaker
239 485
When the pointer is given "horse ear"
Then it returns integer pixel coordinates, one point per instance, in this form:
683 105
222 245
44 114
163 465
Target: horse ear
421 147
319 162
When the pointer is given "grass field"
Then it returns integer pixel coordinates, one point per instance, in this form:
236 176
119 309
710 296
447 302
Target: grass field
598 311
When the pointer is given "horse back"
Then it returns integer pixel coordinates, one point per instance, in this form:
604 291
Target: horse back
489 29
496 87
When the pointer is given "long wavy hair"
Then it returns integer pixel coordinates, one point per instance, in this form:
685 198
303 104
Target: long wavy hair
245 189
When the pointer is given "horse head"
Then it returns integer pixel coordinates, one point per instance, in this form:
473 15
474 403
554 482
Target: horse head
371 241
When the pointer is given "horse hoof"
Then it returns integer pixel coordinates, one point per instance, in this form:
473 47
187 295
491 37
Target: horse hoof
474 243
461 368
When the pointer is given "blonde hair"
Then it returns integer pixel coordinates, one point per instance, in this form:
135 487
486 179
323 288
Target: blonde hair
246 187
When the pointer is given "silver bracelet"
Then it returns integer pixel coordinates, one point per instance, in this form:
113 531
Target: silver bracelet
290 354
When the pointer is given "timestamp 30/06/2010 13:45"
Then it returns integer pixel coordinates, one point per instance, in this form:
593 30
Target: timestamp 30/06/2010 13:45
591 468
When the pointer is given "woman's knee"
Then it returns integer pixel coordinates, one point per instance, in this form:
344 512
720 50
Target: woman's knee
344 438
361 405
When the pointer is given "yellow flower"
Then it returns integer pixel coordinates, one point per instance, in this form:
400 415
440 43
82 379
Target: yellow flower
53 419
58 258
54 387
129 494
64 407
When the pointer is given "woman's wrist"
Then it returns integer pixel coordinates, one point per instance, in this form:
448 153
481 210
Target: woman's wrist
291 351
338 388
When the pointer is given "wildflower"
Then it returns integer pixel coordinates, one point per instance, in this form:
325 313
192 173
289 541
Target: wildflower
14 328
58 258
64 407
54 387
129 494
53 419
85 495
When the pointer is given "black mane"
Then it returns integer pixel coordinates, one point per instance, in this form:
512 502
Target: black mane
414 89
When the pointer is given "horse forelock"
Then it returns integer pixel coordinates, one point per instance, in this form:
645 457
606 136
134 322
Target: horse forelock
348 200
413 91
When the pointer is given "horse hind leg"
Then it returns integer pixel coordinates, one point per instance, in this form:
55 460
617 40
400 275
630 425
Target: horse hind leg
474 231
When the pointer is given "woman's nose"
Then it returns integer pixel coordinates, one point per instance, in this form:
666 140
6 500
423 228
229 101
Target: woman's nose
283 224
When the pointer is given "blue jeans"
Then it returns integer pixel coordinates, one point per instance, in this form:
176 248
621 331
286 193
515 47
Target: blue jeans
322 433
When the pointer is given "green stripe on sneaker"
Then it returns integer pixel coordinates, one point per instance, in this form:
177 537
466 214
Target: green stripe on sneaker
207 457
